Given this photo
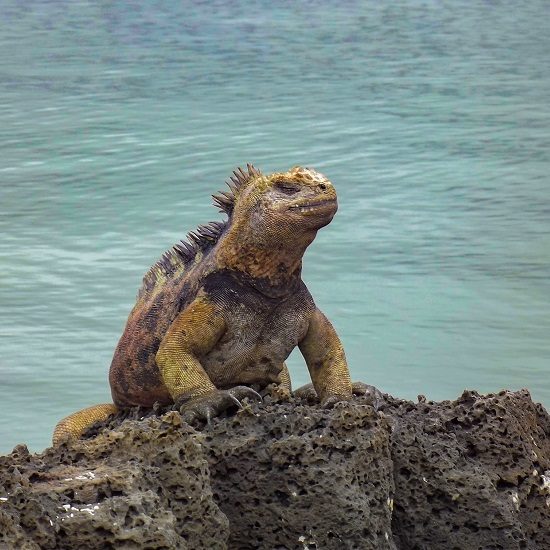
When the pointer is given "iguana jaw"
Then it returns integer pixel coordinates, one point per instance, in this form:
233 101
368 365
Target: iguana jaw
315 207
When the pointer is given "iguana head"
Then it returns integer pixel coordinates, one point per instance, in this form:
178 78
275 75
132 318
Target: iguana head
300 199
273 218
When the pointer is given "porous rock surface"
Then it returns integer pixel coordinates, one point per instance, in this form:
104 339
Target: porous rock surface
376 473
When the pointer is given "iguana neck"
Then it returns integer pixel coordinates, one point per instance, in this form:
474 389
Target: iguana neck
275 265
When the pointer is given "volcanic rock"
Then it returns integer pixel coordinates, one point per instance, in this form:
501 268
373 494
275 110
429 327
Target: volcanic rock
375 473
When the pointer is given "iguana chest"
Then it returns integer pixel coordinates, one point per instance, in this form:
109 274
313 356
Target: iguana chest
261 332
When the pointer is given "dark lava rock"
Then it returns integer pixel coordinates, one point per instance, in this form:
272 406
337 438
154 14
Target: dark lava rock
469 474
472 474
143 485
295 476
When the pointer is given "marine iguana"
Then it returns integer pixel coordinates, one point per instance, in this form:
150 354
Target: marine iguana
219 313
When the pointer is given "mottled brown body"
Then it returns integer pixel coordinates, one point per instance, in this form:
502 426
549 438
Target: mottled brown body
223 312
258 334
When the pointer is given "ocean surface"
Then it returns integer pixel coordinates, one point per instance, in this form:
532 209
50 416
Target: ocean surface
118 121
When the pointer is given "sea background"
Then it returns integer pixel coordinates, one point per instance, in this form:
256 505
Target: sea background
119 120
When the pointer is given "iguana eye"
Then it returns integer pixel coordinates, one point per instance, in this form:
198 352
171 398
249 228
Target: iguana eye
287 188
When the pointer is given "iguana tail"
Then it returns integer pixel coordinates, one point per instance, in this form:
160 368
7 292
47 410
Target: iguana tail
74 425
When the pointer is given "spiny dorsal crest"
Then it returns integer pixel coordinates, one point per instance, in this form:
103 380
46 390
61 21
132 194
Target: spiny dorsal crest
181 255
225 200
204 237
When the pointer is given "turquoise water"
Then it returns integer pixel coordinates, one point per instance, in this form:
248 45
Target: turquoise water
432 120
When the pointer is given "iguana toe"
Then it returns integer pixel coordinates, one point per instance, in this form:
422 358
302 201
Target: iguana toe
213 404
330 401
374 395
240 392
306 393
309 394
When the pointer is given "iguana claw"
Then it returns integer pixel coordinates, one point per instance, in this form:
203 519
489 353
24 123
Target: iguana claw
373 395
331 400
309 394
208 406
240 392
306 392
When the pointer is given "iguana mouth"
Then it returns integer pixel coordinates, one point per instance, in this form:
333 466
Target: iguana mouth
311 206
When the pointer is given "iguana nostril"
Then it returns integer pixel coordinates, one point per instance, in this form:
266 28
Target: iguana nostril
322 186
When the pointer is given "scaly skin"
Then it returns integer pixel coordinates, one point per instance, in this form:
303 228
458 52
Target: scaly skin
217 317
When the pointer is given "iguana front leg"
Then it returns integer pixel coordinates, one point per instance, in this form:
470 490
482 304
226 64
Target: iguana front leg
192 335
326 361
